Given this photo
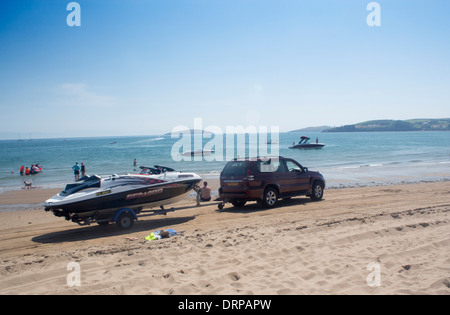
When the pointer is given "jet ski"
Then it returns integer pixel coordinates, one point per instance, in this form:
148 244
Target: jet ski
97 198
304 144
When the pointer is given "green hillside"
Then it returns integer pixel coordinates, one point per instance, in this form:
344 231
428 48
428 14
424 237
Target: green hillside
441 124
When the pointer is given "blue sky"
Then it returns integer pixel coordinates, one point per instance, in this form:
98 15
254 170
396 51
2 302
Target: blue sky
143 67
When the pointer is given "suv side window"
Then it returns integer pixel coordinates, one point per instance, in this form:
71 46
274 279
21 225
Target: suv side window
272 166
293 167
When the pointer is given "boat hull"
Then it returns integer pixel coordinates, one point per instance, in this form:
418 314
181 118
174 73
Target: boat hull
307 146
102 203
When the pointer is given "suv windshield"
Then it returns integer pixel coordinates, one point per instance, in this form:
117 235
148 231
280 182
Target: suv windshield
236 168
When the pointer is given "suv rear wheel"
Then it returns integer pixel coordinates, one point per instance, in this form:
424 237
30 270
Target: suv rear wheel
270 197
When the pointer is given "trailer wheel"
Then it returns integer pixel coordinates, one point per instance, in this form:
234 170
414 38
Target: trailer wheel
125 220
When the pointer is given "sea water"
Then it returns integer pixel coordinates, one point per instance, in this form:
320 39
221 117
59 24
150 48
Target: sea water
348 159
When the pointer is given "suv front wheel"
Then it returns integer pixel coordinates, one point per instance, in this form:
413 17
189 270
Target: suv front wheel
317 191
270 197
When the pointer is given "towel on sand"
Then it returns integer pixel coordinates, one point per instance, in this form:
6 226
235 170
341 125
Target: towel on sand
160 234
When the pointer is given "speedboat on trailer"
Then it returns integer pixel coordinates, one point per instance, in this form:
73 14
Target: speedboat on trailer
157 169
95 198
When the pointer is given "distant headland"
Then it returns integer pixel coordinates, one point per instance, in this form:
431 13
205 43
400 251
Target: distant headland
439 124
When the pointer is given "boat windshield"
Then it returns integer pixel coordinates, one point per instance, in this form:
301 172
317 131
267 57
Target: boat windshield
87 182
304 140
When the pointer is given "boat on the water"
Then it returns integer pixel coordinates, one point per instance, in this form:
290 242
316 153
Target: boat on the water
201 152
96 198
305 144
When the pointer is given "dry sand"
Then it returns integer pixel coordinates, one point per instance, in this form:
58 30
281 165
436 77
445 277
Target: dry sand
300 247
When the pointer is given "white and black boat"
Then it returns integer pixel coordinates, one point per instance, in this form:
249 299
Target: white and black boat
305 144
202 152
96 198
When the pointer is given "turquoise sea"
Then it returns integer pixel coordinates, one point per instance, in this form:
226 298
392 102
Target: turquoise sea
348 159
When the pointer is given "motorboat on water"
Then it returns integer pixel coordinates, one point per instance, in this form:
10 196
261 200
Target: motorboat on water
98 198
305 144
202 152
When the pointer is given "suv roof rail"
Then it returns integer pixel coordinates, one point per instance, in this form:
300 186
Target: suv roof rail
256 158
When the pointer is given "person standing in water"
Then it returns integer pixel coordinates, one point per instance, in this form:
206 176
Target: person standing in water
83 169
76 171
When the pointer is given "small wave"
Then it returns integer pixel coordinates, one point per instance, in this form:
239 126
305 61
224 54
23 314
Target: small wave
361 166
371 165
350 167
211 174
148 140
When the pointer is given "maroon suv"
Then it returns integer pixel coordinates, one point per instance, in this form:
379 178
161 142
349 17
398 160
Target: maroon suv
266 180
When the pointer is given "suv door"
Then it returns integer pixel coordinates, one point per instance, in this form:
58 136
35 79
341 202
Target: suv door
275 172
298 177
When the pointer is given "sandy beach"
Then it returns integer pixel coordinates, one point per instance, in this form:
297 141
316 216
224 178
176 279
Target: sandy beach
301 247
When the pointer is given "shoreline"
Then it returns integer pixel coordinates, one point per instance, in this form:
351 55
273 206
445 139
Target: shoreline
350 174
22 199
299 247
